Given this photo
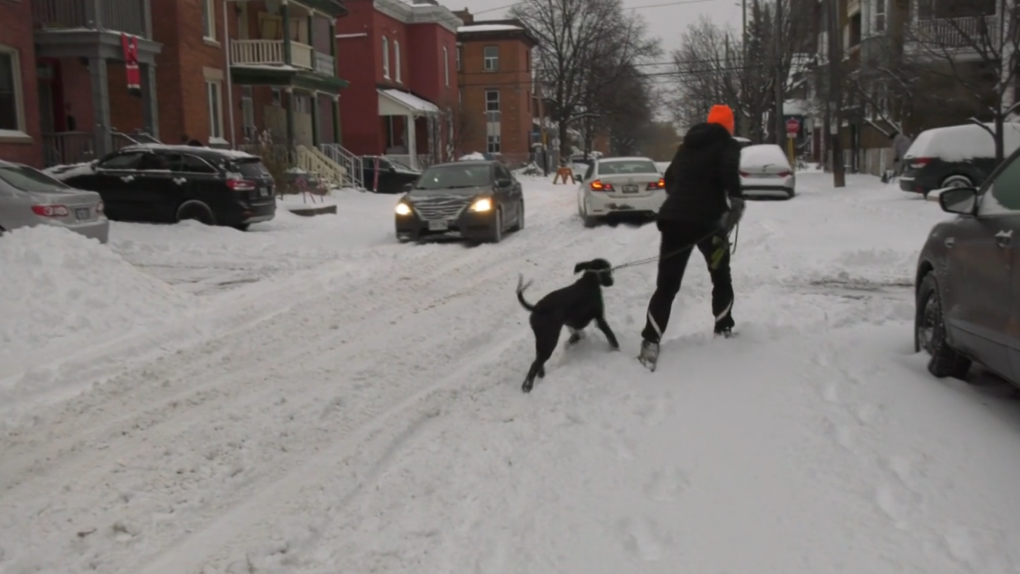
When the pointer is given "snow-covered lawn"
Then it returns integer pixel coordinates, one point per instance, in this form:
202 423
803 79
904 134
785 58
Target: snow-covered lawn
356 406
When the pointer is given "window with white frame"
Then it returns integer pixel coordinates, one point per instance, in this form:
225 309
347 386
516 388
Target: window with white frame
215 100
491 100
386 57
446 66
492 143
12 117
490 55
208 20
878 19
396 59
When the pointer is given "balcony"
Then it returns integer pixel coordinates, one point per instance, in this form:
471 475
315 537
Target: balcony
130 16
250 53
960 35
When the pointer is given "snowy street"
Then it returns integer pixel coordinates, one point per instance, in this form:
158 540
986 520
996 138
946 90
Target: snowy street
313 397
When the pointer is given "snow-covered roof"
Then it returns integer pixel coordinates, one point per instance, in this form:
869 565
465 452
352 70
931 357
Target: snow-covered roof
796 107
233 153
410 102
488 28
963 142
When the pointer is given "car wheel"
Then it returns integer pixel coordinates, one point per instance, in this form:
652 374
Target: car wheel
791 193
242 227
497 233
930 333
956 181
520 217
196 210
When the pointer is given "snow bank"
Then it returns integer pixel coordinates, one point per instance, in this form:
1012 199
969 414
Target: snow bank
759 155
58 286
963 142
472 157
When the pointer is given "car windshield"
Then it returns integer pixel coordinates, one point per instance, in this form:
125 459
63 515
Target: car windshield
455 177
31 180
252 168
627 167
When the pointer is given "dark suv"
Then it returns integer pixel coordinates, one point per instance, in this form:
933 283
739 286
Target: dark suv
167 184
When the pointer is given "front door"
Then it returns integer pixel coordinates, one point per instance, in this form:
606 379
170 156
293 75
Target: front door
978 296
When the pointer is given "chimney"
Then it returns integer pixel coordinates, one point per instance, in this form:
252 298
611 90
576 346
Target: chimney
465 16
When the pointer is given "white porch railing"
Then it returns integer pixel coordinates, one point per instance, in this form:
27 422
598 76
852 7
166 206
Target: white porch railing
942 33
325 64
311 159
354 174
270 52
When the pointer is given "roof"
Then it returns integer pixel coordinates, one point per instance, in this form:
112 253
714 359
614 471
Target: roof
489 29
409 101
196 150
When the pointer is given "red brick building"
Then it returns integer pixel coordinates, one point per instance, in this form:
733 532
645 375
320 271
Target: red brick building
497 100
399 58
20 135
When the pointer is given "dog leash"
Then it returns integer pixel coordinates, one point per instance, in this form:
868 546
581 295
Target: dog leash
691 245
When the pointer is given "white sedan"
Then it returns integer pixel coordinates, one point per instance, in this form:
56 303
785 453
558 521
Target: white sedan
619 187
765 171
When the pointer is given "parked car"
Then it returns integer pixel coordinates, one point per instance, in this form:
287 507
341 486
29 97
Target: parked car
475 200
393 176
765 171
956 156
167 184
29 197
620 187
967 275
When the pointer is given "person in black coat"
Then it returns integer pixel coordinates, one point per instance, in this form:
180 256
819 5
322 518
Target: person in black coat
704 202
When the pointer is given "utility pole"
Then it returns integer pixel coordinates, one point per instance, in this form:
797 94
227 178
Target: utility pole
744 128
780 124
835 92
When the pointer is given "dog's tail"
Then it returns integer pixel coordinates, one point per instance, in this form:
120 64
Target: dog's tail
521 286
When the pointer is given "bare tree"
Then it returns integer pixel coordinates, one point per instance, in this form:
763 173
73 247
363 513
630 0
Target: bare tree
969 53
470 130
575 37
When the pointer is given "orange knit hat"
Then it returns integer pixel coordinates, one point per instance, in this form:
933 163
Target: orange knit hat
722 115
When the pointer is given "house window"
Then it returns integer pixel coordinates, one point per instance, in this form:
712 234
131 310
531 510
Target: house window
396 59
492 143
214 98
491 58
446 66
11 111
208 20
459 50
277 98
248 112
491 100
879 24
385 57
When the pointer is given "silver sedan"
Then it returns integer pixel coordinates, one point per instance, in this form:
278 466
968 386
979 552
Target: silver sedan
29 197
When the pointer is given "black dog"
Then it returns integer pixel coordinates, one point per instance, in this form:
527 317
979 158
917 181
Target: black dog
575 306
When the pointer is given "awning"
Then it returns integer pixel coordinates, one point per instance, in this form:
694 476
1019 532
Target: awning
397 103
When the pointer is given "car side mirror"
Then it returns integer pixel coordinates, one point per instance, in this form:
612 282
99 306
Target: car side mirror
504 183
393 169
959 200
408 187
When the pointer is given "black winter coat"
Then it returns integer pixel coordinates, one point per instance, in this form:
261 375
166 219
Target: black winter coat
704 173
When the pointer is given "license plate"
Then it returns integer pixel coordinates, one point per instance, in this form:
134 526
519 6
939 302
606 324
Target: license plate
438 226
82 213
264 191
630 189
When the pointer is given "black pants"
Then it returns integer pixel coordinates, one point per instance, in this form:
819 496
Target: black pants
672 264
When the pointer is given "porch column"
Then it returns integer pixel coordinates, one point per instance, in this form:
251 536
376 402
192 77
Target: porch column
285 17
316 136
290 121
412 141
100 105
336 118
149 99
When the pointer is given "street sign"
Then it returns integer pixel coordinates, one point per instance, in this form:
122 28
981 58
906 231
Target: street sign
792 128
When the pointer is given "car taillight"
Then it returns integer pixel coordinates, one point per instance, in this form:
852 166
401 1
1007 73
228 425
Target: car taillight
599 186
919 162
99 208
241 185
661 184
50 210
745 174
783 173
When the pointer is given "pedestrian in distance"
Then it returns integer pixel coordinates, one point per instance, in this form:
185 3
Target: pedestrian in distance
704 203
900 143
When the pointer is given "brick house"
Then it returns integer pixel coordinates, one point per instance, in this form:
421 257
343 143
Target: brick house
497 88
20 134
399 58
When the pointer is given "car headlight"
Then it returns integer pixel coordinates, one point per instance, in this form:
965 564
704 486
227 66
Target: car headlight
403 209
484 204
